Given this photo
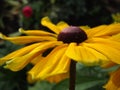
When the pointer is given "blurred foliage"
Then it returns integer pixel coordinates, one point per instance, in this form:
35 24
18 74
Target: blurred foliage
116 17
74 12
9 16
11 80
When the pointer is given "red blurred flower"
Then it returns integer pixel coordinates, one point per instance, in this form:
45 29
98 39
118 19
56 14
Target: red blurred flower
27 11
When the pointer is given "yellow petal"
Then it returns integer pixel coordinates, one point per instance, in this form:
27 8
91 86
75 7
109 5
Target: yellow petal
54 64
105 30
107 47
85 55
116 78
37 59
30 49
107 41
115 37
46 22
114 81
28 39
108 65
24 60
57 78
110 30
46 45
73 53
62 25
111 86
19 52
93 57
19 63
36 32
92 32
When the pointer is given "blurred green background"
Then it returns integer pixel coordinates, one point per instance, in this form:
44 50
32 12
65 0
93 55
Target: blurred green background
74 12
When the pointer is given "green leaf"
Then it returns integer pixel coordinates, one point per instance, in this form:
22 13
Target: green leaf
63 85
41 86
82 83
15 34
88 82
13 80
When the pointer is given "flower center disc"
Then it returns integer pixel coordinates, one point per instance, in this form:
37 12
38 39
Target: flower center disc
72 34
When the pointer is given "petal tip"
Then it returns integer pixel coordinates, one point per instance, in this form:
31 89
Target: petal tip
2 36
21 30
44 19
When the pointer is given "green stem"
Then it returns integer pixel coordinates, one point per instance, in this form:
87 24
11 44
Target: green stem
72 75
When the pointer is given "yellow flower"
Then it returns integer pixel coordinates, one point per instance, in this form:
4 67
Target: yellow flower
114 81
90 46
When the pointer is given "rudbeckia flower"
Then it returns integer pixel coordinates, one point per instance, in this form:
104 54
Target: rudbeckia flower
90 46
114 81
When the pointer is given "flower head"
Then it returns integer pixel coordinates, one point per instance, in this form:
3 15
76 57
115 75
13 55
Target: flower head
27 11
90 46
72 34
